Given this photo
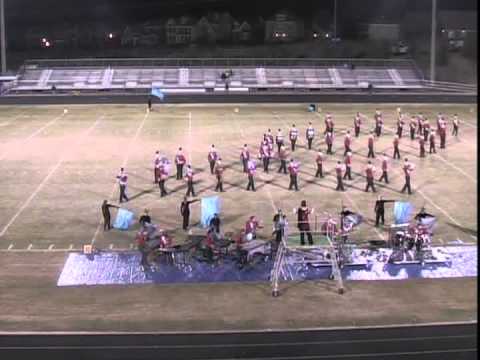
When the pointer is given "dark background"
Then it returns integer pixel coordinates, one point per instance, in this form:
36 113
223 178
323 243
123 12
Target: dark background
45 11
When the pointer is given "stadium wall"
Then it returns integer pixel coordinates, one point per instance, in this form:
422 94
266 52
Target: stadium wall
332 97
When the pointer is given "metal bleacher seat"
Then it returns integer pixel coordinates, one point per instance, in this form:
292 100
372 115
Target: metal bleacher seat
203 76
378 77
409 77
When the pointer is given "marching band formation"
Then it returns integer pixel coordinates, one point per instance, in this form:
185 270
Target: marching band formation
420 132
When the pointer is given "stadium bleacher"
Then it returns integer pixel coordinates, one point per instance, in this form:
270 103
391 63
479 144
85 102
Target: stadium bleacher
320 74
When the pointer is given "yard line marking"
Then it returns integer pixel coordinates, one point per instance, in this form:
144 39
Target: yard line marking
131 246
124 164
431 202
45 180
70 247
111 246
10 247
51 246
468 124
473 237
52 251
441 241
35 133
456 168
358 210
29 247
189 137
439 208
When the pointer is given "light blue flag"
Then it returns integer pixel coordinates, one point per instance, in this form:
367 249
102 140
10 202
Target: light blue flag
402 212
124 219
210 206
158 93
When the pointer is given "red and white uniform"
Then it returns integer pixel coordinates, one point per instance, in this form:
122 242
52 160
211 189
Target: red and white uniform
251 227
310 133
269 138
212 155
165 241
329 138
396 142
339 169
122 178
219 170
370 171
384 163
370 141
328 122
413 123
293 134
426 126
279 137
440 119
180 158
252 167
456 122
265 151
348 161
163 172
443 127
245 154
157 162
357 121
408 168
293 168
347 141
319 159
189 174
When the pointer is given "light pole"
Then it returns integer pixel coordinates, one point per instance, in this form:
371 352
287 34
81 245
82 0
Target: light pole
432 41
335 20
3 41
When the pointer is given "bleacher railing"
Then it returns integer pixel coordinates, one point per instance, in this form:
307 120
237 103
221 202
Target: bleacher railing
219 62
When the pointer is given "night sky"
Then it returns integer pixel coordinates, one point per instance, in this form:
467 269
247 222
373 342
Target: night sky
41 11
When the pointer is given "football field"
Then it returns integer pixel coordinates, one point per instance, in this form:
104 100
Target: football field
57 168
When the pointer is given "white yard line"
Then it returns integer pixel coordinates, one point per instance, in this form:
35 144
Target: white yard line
439 208
357 209
456 168
54 250
431 202
189 147
269 194
47 178
35 133
468 124
124 164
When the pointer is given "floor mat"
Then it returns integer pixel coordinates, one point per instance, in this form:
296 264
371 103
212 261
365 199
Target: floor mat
124 268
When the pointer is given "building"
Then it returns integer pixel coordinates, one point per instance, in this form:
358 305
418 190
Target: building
180 31
283 28
242 32
456 25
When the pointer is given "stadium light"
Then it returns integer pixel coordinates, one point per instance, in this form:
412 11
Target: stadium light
433 40
110 36
44 40
334 19
47 44
3 38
